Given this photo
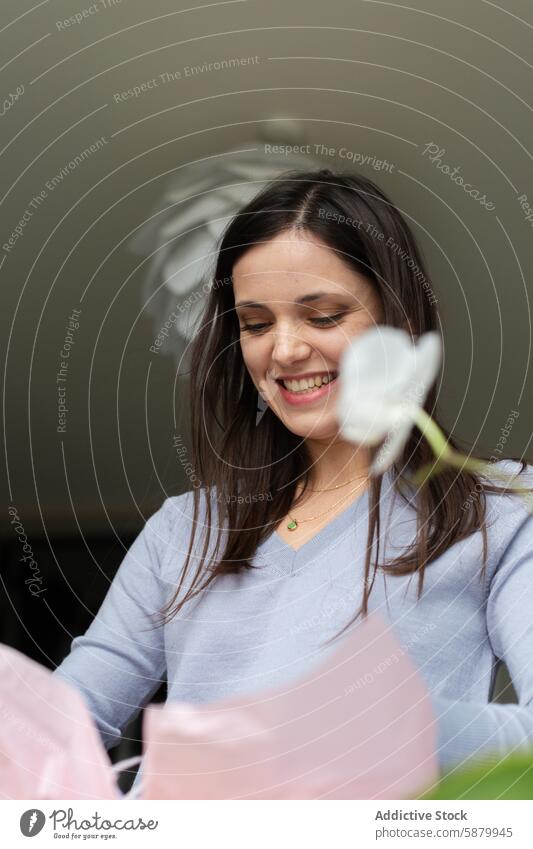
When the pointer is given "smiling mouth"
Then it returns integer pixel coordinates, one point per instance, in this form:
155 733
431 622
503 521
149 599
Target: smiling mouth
295 386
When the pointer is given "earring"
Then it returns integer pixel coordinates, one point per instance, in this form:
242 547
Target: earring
261 407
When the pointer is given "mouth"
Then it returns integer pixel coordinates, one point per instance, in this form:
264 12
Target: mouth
303 391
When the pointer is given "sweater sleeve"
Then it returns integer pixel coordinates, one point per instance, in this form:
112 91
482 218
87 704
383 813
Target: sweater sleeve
486 731
119 662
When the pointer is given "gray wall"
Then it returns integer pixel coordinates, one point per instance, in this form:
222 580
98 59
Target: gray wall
378 79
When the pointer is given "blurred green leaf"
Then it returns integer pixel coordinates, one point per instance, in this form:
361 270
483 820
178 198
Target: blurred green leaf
511 778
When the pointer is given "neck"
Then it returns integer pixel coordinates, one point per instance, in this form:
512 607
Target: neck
335 463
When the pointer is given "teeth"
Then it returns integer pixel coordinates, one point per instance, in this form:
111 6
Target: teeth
309 383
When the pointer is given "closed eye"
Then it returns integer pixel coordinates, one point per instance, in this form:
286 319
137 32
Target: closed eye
325 321
328 319
253 328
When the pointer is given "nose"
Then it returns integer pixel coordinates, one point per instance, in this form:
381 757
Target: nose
289 347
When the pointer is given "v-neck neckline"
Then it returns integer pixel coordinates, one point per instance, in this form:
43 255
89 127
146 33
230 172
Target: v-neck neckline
285 559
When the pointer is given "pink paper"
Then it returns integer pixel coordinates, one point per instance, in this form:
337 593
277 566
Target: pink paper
49 745
358 726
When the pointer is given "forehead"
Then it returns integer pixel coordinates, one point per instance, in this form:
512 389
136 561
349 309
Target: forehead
302 257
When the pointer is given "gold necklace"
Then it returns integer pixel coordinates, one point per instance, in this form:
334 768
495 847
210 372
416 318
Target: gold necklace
293 524
330 489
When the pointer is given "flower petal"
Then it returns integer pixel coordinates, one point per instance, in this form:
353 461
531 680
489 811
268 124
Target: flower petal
391 448
428 359
382 360
383 377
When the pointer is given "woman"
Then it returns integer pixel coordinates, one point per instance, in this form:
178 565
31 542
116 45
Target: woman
295 541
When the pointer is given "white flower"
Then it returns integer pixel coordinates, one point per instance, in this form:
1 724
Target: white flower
383 382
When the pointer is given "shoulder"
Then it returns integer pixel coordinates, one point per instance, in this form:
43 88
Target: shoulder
176 516
509 515
183 504
506 514
511 506
175 523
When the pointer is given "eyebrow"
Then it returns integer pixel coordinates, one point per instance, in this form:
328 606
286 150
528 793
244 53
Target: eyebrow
304 300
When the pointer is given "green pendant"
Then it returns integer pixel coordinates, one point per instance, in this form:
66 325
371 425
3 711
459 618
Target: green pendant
293 524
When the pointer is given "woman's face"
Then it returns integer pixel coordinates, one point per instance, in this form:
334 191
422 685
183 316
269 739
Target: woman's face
307 305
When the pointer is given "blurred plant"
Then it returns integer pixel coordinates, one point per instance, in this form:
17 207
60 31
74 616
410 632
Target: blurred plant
511 778
180 236
384 379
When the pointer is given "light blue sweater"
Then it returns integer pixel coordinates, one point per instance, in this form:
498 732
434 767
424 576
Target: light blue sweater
264 626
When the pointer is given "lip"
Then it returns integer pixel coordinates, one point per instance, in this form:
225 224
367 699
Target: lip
297 400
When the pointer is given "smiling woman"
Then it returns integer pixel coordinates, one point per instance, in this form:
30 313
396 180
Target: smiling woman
235 615
291 347
306 283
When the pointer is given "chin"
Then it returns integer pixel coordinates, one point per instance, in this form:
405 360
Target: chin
319 433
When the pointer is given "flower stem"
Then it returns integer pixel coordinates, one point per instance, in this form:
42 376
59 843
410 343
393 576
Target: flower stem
445 455
438 442
433 433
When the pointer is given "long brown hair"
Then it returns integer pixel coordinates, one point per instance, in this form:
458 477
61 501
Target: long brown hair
232 456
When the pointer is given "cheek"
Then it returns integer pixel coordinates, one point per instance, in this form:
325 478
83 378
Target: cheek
331 345
359 323
252 355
